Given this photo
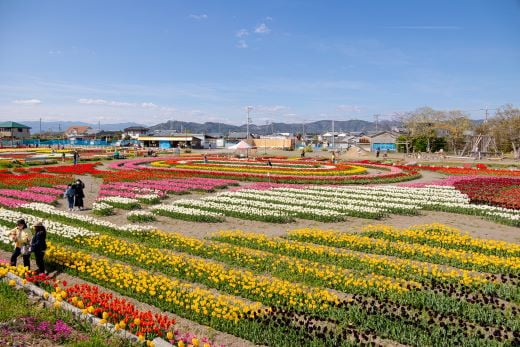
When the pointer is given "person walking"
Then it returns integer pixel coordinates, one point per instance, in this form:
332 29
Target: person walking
79 195
302 155
20 237
39 245
75 157
69 195
377 153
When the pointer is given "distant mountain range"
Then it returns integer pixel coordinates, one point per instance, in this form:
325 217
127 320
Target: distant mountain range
312 127
317 127
62 126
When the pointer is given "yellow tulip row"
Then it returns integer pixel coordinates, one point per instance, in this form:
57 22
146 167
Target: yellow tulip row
330 275
442 234
15 270
213 273
169 291
397 266
353 170
468 259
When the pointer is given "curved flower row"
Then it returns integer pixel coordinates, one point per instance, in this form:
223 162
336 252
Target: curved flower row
442 236
390 174
52 212
28 195
120 202
456 257
238 211
256 287
186 213
281 265
124 315
155 287
392 266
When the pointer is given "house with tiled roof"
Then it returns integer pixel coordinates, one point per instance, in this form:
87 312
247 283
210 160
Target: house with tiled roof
14 131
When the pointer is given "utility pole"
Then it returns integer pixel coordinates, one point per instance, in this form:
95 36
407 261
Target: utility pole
333 143
249 108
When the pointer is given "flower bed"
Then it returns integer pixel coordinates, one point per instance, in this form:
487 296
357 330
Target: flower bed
102 209
121 202
140 216
28 195
331 204
188 214
391 174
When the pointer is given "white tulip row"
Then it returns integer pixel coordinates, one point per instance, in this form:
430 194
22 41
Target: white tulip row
300 197
287 206
84 218
431 197
118 200
298 206
101 206
52 227
237 210
185 210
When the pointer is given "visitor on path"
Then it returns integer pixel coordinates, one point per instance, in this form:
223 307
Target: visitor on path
75 157
79 195
269 163
302 155
377 153
333 157
20 237
205 159
62 156
69 195
38 246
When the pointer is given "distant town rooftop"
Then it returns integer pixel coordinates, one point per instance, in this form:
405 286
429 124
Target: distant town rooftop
13 125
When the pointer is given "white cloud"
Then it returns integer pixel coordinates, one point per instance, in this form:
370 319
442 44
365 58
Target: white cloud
271 109
349 108
93 101
148 105
55 52
27 102
202 16
269 18
242 44
241 33
105 102
262 29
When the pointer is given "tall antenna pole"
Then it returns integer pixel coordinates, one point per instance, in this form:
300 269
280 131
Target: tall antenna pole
333 143
249 108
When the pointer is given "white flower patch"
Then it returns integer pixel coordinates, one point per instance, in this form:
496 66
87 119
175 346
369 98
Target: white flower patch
52 227
84 218
185 210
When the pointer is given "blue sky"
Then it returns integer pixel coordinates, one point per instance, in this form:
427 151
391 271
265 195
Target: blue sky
292 60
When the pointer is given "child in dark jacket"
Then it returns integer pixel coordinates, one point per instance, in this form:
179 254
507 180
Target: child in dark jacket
39 245
69 195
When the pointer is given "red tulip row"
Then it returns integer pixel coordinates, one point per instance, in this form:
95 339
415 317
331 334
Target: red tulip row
498 191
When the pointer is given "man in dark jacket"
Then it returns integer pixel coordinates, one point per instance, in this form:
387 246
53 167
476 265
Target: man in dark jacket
39 245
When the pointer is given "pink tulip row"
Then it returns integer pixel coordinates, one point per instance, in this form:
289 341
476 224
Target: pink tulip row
28 195
168 185
120 193
45 190
265 186
11 202
448 181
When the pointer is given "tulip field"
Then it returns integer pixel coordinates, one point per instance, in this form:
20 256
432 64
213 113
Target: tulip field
338 270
